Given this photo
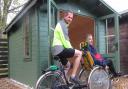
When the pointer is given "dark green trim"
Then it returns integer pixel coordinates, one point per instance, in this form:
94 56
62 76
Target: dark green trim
38 42
52 1
97 34
107 16
49 25
51 4
108 55
116 18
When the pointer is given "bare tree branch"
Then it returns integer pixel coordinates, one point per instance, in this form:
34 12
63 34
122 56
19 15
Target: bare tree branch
0 10
4 10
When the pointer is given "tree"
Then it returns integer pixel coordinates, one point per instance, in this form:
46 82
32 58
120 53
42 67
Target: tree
5 10
4 7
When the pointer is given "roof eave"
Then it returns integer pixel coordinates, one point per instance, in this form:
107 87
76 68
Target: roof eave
108 6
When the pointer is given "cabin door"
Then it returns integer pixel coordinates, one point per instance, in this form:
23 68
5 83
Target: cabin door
108 38
52 21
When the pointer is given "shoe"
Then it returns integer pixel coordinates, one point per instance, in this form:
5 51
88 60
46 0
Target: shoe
117 75
74 80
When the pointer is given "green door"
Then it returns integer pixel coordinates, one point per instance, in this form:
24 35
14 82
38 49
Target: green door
108 38
52 21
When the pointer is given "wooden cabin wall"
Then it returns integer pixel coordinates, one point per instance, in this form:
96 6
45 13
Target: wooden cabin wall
123 34
19 68
124 45
43 40
101 44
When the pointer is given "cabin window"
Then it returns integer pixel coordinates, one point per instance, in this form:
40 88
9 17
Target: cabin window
110 36
107 37
27 40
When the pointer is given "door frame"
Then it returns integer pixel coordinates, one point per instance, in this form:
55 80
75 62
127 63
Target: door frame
53 3
51 6
116 54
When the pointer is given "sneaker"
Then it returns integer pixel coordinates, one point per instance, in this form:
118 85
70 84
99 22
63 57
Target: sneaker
74 80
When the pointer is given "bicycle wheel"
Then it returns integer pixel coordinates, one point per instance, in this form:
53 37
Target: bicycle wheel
50 80
83 75
99 79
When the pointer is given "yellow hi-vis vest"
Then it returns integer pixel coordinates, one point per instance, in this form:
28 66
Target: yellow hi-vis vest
61 38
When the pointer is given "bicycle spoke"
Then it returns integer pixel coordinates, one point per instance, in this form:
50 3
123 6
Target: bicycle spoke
99 80
50 81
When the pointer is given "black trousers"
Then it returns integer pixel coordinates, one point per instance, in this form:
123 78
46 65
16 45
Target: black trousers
111 67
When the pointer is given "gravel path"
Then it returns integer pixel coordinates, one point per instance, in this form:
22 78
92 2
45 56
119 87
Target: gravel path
120 82
6 83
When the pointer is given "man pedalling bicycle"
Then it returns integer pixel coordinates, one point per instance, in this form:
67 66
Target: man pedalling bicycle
62 48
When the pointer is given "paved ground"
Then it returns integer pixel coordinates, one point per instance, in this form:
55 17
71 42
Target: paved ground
6 83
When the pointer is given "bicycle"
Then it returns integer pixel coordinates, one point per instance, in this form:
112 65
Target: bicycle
55 78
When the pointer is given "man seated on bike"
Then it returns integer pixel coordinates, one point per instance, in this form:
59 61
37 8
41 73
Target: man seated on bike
98 59
61 46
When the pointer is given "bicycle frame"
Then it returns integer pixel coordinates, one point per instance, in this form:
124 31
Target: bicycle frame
59 69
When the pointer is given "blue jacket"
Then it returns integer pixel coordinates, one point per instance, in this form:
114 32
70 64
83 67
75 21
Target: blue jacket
93 52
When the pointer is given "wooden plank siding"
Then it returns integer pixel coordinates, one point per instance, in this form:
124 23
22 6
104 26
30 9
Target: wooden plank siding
43 40
18 66
100 37
124 46
123 32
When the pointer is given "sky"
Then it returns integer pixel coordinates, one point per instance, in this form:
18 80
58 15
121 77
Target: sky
117 5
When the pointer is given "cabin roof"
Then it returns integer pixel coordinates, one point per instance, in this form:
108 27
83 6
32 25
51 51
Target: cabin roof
96 7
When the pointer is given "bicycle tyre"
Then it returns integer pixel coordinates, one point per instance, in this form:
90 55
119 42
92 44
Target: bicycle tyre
83 75
50 80
98 79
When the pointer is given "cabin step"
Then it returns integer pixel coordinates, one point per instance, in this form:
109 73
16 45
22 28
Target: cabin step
3 57
3 65
2 75
3 61
3 48
3 70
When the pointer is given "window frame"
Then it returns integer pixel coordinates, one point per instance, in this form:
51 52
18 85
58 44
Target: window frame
27 37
